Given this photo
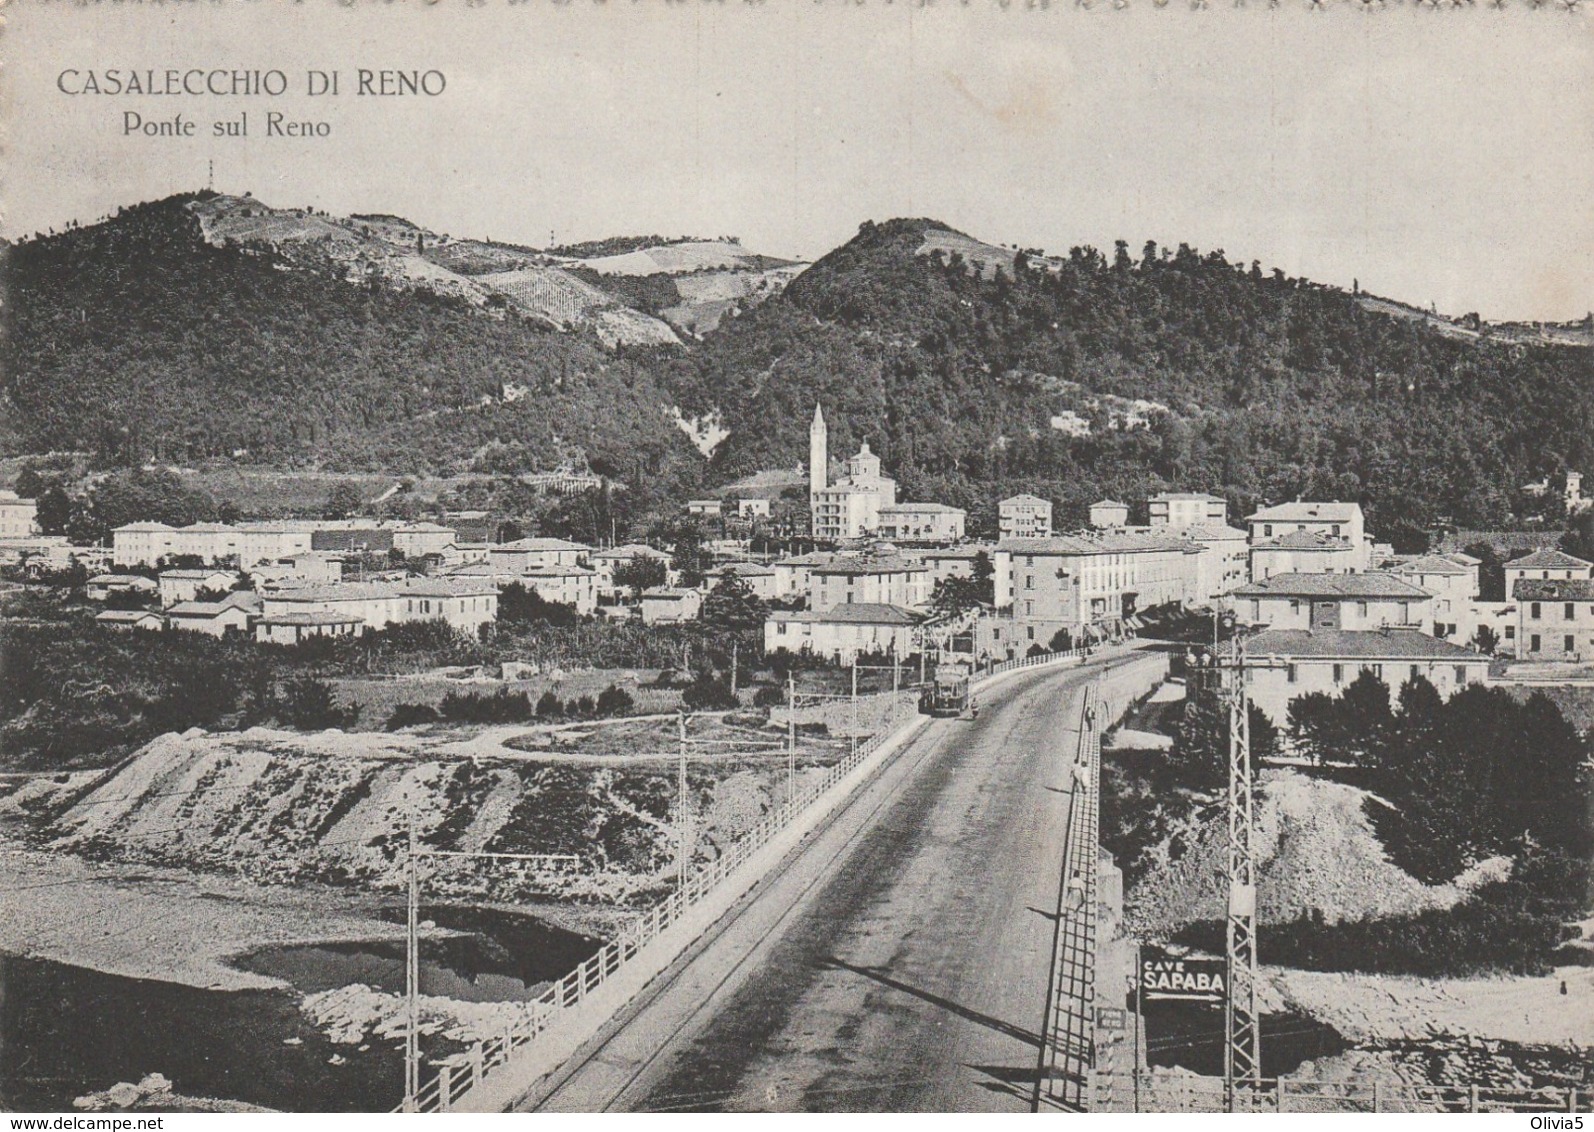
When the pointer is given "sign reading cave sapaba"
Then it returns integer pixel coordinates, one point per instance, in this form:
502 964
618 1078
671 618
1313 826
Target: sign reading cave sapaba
1163 976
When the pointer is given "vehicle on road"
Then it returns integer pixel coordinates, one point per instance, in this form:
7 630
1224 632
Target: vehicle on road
948 694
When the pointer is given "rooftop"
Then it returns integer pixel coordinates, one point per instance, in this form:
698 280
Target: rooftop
125 615
312 619
1109 503
1025 498
1553 589
1429 564
1300 511
242 600
1353 644
1095 542
1335 586
630 550
1548 559
856 567
857 613
523 544
924 508
1186 497
196 575
1306 540
448 587
663 593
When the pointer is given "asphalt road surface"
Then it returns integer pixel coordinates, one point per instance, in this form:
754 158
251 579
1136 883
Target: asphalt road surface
897 962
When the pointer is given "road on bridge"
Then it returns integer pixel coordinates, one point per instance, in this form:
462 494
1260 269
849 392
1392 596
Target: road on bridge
900 958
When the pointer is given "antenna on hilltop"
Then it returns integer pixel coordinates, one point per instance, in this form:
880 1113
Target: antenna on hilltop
210 181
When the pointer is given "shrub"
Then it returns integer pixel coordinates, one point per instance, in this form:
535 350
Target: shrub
768 695
411 715
549 706
707 694
307 704
615 700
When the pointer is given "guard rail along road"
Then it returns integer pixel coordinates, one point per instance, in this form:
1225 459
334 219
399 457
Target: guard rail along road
575 1006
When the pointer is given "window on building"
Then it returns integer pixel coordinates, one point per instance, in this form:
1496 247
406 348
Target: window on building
1461 675
1029 581
1291 673
1533 611
1032 632
1339 673
1029 610
1295 605
1569 643
1415 672
1510 632
1267 530
1533 643
1376 669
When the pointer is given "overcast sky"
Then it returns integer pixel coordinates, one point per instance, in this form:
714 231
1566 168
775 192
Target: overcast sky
1436 156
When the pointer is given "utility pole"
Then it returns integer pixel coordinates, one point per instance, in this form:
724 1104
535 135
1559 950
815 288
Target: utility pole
412 972
853 728
680 853
791 738
412 951
1242 1054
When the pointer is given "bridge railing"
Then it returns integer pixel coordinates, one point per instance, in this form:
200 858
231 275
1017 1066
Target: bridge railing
456 1075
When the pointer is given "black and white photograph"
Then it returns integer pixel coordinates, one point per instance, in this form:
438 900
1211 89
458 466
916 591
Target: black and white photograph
796 556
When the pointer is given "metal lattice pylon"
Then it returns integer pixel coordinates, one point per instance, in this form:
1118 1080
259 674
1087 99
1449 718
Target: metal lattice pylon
1242 1055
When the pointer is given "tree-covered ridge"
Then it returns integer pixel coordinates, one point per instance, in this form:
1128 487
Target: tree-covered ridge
135 339
1272 386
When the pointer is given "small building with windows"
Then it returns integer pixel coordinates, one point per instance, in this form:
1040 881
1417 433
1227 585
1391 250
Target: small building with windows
922 522
231 614
1302 552
102 586
130 619
1282 664
1555 618
1108 514
842 633
761 579
1337 520
663 605
186 585
1334 602
295 628
869 580
1455 590
1546 566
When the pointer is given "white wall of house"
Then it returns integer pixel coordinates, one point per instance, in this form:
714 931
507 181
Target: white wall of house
1273 686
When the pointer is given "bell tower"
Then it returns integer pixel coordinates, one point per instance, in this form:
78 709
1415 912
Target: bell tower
818 456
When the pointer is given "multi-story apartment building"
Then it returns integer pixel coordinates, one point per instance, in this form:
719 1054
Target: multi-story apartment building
1024 516
1187 509
1302 552
1094 581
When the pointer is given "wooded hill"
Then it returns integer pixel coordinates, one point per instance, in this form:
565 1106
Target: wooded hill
975 372
959 370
